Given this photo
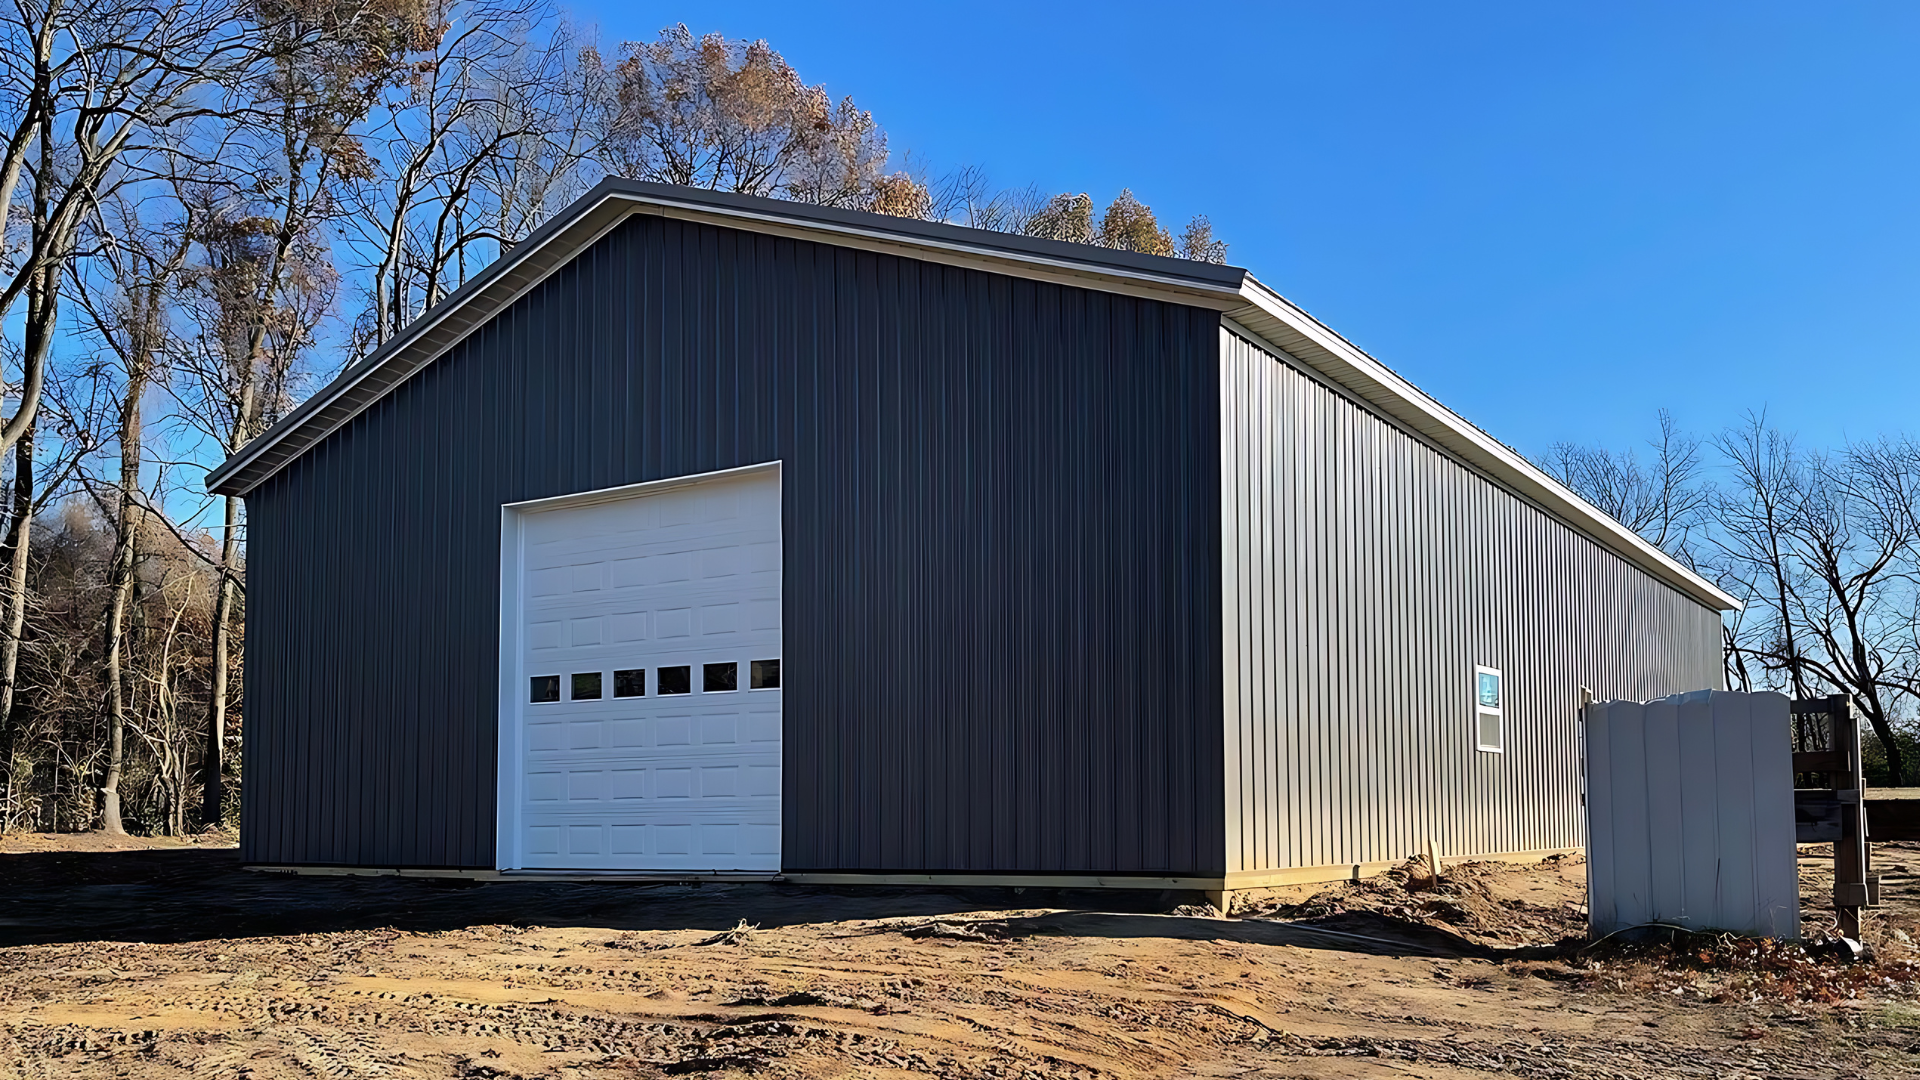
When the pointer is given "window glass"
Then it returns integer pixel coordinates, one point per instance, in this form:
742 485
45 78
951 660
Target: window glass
586 685
1489 713
545 688
630 682
674 680
719 678
766 675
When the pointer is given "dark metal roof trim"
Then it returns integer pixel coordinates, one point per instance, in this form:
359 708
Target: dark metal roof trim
594 214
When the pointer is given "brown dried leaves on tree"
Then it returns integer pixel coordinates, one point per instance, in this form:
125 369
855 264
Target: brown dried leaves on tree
735 116
1127 225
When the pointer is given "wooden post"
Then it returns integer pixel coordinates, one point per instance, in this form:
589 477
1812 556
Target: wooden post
1850 850
1836 811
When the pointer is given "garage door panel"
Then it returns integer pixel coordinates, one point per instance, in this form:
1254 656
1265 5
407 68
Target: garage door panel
734 576
644 560
654 806
716 841
683 578
552 542
661 848
742 589
665 755
707 731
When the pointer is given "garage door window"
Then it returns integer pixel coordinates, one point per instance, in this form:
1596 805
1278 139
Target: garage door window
766 675
545 688
720 678
630 682
586 686
674 680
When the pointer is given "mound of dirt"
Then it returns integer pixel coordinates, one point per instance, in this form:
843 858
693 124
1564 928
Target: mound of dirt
1490 904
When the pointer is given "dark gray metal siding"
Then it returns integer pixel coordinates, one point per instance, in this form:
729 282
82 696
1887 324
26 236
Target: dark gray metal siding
1002 550
1366 574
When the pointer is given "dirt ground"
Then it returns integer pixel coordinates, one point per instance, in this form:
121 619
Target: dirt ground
152 959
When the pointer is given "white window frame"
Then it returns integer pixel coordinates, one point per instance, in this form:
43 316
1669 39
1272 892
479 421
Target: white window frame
1498 712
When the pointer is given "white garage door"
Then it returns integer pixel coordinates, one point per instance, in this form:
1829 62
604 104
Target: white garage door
647 718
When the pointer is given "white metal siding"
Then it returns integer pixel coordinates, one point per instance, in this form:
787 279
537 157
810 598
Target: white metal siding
1365 576
1690 814
683 575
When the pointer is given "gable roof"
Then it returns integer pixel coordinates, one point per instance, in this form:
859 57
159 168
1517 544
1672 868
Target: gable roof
1258 311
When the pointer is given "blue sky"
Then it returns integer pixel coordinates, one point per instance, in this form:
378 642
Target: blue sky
1556 218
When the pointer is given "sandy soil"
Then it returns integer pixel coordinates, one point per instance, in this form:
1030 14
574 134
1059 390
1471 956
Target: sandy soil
23 843
168 961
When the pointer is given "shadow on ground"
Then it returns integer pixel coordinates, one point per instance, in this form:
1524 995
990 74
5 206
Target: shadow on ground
185 895
199 894
1359 932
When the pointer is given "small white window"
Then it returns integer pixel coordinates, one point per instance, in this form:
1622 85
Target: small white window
1489 710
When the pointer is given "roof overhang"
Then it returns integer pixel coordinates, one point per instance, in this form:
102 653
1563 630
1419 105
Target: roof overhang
1229 290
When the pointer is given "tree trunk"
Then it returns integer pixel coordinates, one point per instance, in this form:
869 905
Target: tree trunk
214 791
18 543
1876 715
124 552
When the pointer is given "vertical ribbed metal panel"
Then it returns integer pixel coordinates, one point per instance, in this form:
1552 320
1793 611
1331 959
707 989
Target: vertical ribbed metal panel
1002 543
1365 574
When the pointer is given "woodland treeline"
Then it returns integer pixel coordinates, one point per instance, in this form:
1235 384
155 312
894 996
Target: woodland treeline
213 205
1821 545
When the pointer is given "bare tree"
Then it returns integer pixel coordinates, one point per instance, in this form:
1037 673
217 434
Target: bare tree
17 545
1754 518
132 321
465 104
965 196
533 140
31 490
1665 500
1826 548
265 277
253 303
81 85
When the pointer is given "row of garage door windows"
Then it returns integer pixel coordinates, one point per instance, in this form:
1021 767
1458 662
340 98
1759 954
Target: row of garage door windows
632 682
